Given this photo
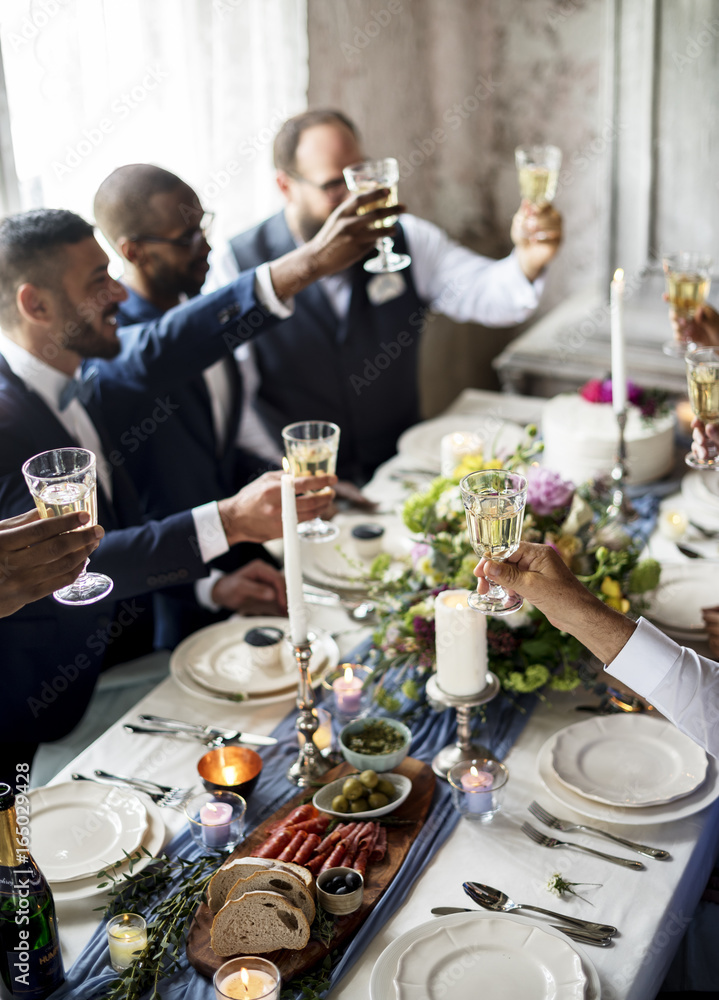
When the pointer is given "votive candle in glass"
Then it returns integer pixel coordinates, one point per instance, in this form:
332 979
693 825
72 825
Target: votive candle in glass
348 692
126 938
249 978
478 787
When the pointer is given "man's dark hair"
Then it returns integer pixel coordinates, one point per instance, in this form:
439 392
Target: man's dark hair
122 203
31 250
288 137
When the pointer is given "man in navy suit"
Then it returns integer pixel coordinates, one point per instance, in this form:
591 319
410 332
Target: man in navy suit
58 306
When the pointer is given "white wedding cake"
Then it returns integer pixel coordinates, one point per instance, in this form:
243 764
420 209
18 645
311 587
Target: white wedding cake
580 440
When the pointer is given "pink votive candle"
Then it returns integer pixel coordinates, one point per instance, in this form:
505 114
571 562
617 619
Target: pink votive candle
348 692
216 818
478 785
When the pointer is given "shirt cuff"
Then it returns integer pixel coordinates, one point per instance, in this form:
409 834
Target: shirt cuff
203 590
645 660
211 537
266 296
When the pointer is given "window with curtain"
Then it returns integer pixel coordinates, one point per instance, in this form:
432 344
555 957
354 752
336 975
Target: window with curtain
196 86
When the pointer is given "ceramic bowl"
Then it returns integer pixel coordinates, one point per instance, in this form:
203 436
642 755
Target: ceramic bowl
339 905
322 799
375 761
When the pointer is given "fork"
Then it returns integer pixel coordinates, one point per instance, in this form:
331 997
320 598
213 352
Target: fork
164 796
565 826
544 841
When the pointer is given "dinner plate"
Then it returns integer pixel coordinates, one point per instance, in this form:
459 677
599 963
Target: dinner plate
79 828
474 929
628 760
701 500
341 565
153 841
684 589
322 799
697 800
326 656
422 443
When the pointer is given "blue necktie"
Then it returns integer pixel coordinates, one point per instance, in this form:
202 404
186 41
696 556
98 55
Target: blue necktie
78 388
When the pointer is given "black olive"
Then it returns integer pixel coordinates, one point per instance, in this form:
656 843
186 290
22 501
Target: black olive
341 890
353 881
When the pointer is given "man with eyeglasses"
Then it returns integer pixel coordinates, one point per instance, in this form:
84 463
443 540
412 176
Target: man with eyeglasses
349 353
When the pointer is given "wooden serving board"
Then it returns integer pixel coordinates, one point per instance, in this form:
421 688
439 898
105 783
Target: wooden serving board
378 876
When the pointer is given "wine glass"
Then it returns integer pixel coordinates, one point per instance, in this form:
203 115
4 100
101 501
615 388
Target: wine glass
703 386
64 481
311 448
494 504
538 172
366 177
688 280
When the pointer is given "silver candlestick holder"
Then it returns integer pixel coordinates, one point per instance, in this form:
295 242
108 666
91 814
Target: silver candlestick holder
620 509
310 765
464 748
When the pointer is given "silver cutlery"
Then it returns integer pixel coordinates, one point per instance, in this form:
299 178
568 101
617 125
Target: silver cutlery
704 531
164 796
689 553
566 826
360 610
205 734
493 899
544 841
583 937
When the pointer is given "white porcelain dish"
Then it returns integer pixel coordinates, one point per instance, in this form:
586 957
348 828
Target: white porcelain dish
79 828
702 502
342 564
421 444
628 760
675 606
322 799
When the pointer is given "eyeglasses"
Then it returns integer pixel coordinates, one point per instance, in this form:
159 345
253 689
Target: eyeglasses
191 238
329 187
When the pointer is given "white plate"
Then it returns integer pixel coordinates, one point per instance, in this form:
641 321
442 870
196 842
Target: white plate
326 656
338 564
323 798
79 828
628 760
153 841
699 799
472 927
702 502
421 444
684 589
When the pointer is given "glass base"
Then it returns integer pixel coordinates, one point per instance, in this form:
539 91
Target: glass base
88 588
318 531
674 350
386 263
506 605
694 463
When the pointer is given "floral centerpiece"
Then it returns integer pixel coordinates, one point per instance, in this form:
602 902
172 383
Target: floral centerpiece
525 651
651 403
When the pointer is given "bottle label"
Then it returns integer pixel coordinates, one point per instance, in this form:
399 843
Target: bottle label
33 973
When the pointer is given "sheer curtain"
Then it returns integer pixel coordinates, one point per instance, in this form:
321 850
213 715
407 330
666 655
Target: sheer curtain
197 86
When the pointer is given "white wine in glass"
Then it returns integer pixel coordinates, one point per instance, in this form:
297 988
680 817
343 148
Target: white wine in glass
494 503
64 481
688 281
311 449
703 388
367 176
538 174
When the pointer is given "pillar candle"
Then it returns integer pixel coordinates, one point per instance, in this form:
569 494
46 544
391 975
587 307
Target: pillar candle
296 606
619 364
461 640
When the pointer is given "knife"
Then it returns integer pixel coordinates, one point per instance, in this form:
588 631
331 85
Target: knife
583 937
689 553
205 734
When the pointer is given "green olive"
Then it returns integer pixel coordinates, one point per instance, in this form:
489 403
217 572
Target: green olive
353 789
369 779
385 786
377 800
359 806
340 804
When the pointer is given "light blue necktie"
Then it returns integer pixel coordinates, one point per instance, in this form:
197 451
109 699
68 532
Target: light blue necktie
78 388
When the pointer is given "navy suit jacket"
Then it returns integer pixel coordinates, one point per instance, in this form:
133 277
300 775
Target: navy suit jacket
51 654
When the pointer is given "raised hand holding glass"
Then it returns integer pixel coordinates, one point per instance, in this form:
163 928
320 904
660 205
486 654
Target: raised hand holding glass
367 176
311 449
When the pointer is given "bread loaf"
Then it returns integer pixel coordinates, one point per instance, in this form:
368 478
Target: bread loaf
256 923
225 877
277 880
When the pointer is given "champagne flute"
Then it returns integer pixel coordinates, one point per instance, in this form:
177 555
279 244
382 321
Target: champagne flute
311 449
494 504
703 386
366 177
538 172
63 481
688 280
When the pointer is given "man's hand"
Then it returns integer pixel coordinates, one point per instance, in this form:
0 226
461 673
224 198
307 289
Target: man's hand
539 574
701 329
41 555
705 440
344 238
254 589
711 620
255 513
536 233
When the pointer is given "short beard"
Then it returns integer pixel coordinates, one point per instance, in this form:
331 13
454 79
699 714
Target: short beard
171 283
81 337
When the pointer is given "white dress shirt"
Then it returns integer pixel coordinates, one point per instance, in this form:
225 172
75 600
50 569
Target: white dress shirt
682 685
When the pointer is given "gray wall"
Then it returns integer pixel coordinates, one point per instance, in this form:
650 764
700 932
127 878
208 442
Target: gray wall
489 74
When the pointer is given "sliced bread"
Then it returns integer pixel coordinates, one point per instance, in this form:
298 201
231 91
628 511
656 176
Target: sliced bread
277 880
256 923
226 876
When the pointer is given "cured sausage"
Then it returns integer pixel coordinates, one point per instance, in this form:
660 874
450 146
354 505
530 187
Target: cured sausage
293 847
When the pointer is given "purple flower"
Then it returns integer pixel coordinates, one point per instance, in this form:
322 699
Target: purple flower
419 551
547 491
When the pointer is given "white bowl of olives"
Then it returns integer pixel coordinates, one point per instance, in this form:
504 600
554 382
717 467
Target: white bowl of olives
363 796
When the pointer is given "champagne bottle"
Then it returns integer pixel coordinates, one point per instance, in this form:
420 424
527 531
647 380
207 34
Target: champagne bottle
30 958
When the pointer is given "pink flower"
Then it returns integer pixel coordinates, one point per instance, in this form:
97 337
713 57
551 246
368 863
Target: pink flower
547 491
419 551
592 391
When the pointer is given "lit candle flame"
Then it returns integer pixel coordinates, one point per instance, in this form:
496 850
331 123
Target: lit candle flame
230 775
286 465
473 770
349 674
618 274
245 979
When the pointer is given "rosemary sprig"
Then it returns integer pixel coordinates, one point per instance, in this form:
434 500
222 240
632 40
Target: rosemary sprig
313 985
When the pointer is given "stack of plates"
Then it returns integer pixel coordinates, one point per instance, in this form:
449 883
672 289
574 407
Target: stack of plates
632 769
450 956
341 566
79 828
215 663
684 589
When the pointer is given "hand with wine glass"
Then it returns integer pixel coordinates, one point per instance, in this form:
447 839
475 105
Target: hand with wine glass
703 388
311 447
367 176
688 280
701 329
537 226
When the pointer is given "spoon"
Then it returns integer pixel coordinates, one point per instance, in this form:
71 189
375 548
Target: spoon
582 936
493 899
